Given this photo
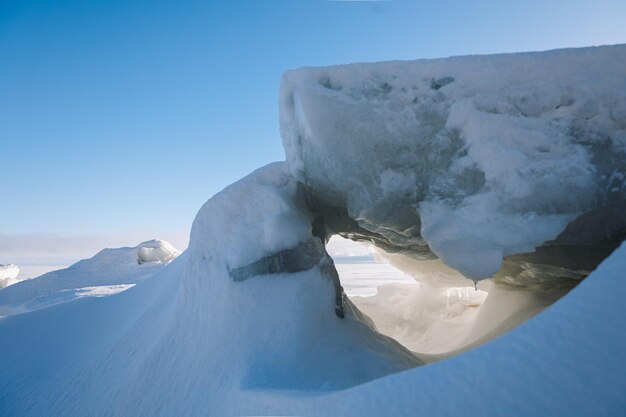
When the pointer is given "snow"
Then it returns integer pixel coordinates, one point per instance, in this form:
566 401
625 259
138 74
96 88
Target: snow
108 270
8 275
189 328
440 321
102 290
362 278
416 158
425 320
61 296
566 361
141 350
156 251
496 154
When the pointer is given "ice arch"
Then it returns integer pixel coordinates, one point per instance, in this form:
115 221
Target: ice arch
507 168
257 237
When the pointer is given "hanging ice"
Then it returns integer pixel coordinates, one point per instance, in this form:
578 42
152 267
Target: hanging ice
471 159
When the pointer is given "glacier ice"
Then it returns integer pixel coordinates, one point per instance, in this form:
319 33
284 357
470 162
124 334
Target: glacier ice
156 251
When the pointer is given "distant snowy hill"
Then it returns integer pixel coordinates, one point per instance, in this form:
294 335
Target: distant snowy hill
495 182
108 272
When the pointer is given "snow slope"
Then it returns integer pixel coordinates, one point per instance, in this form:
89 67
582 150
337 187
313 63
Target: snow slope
108 272
568 361
191 340
252 320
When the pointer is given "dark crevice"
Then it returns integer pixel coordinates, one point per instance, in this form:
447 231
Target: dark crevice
300 258
330 220
560 263
303 257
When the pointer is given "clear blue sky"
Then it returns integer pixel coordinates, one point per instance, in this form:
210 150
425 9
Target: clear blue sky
128 115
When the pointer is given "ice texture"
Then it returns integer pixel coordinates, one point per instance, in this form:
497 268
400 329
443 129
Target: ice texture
156 251
473 158
8 275
302 257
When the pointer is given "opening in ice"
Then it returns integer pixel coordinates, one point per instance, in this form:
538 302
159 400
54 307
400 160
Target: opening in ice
463 168
430 308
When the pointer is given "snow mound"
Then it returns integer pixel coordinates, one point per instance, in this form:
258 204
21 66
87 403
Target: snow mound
156 251
8 275
278 286
252 306
470 159
109 267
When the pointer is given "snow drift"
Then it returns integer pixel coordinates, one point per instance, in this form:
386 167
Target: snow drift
108 272
507 166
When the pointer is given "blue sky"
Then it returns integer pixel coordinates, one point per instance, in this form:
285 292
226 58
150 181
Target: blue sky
121 118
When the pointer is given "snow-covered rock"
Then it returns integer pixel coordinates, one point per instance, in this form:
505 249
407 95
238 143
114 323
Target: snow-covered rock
472 159
8 275
156 251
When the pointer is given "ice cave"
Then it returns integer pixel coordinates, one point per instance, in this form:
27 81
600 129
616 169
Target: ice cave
497 183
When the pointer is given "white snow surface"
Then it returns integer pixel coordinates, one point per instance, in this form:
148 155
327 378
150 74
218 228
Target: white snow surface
438 322
156 251
109 268
363 278
8 275
188 340
496 153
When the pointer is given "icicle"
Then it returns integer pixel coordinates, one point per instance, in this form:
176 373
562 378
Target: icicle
475 285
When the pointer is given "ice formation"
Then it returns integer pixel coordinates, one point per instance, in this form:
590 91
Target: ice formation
156 251
8 275
470 159
507 166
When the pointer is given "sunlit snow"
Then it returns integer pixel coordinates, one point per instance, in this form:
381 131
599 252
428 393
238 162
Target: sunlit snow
494 183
